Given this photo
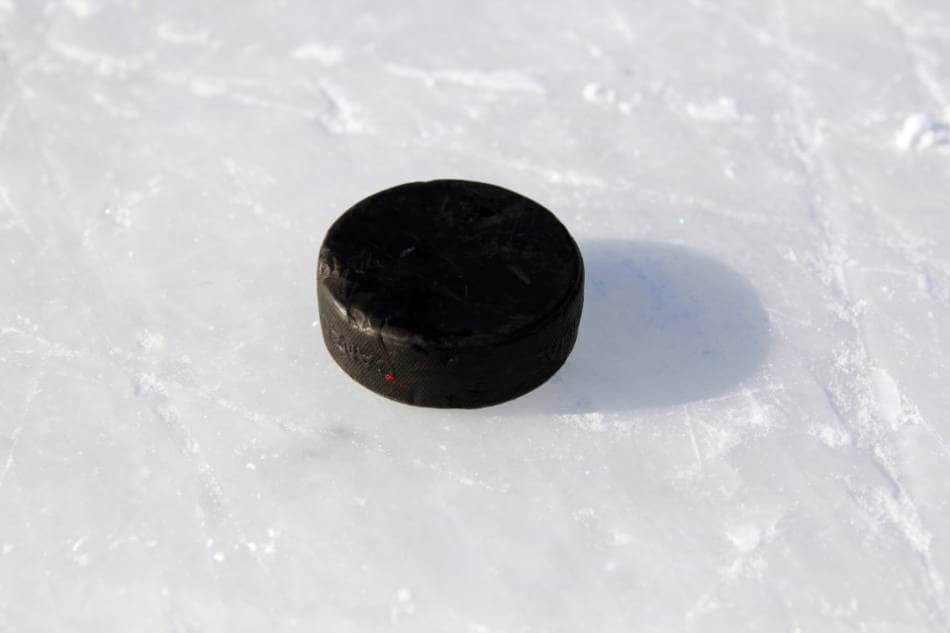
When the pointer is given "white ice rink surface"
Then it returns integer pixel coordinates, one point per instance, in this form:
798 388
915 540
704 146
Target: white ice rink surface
751 435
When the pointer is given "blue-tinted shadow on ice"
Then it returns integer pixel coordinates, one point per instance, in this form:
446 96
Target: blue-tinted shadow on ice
662 325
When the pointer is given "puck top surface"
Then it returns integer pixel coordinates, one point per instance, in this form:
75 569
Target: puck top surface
448 263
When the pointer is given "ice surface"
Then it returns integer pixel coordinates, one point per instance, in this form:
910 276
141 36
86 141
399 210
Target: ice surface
752 434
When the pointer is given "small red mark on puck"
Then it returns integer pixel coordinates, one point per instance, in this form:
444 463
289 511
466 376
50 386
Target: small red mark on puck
392 380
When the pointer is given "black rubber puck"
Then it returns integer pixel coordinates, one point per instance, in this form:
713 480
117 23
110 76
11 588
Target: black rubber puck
449 293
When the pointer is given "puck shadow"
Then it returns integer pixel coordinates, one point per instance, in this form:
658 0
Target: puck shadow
662 325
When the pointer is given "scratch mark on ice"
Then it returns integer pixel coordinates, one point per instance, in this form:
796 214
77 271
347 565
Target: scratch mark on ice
346 116
491 81
5 119
920 132
694 443
922 60
14 439
100 63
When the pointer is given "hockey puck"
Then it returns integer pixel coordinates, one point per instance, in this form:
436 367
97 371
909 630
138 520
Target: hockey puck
449 293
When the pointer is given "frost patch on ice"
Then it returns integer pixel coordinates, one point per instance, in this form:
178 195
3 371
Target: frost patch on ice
492 81
888 397
596 93
146 383
721 110
719 442
81 559
7 7
174 34
758 415
596 422
150 341
584 515
270 546
744 537
831 437
82 9
121 214
6 549
921 131
901 512
747 538
893 407
601 95
403 605
322 53
593 422
753 567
